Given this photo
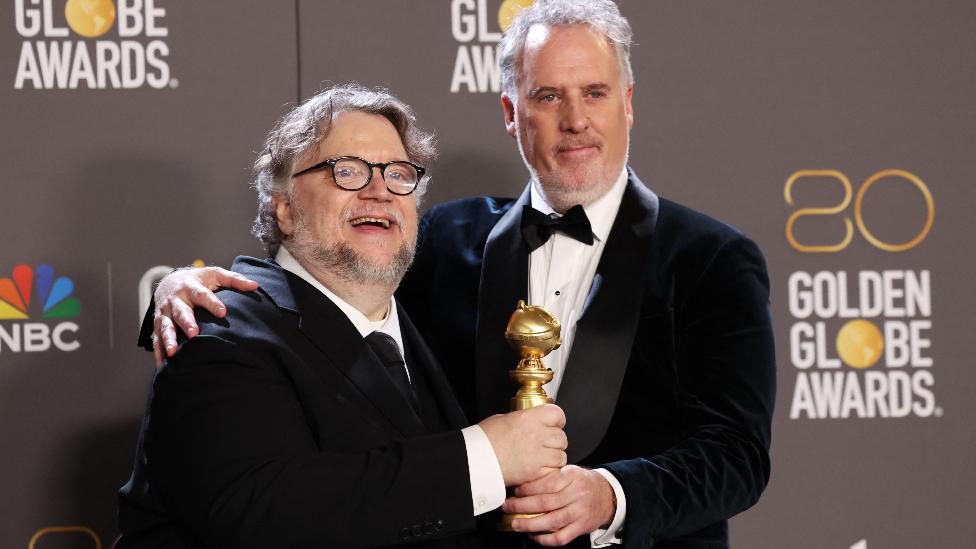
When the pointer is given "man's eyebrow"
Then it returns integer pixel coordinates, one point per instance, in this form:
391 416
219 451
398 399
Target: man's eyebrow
597 86
542 90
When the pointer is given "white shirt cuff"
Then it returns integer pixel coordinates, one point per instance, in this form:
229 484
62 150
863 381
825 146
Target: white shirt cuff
612 535
487 483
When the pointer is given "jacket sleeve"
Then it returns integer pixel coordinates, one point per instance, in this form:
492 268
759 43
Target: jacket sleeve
725 363
233 457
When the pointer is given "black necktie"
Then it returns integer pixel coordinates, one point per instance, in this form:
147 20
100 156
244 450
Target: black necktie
386 348
537 227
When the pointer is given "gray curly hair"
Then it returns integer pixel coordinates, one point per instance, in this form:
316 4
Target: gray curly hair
308 124
601 15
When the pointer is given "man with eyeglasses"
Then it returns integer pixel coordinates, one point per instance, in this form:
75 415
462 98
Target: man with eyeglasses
667 371
313 414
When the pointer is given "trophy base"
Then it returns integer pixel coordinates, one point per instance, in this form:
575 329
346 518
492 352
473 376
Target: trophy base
505 525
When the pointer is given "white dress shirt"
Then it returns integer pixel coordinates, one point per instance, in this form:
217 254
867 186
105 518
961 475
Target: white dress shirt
560 275
487 484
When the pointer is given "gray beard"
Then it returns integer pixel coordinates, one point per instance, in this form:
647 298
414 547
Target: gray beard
343 261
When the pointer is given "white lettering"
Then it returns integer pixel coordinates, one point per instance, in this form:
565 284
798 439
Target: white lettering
801 298
463 73
58 336
107 55
10 339
802 353
129 17
896 349
153 13
81 68
154 52
870 289
918 293
27 68
893 291
918 342
922 380
462 24
37 337
483 33
49 29
802 398
27 21
133 64
54 59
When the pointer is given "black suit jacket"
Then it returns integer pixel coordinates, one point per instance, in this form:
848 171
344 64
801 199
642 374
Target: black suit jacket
670 382
278 427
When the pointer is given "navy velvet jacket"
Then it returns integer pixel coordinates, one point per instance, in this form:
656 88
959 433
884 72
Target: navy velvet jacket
670 384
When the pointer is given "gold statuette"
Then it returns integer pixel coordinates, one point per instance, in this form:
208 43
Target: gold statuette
533 332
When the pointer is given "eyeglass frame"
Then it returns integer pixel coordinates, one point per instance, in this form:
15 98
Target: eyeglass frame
331 163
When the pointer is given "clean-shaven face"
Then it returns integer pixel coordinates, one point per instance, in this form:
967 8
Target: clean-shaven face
572 114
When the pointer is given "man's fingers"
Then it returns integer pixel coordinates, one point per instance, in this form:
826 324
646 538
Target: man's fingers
553 482
182 315
548 522
553 457
166 333
540 503
157 352
199 295
556 438
237 281
553 416
559 538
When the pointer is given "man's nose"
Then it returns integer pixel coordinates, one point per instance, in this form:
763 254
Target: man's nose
574 118
376 189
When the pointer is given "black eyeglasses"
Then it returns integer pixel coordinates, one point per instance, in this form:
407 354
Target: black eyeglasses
353 173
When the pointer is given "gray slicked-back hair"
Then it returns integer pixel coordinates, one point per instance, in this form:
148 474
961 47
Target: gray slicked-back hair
601 15
305 126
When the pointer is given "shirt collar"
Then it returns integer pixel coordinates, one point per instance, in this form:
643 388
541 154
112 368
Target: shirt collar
601 212
389 325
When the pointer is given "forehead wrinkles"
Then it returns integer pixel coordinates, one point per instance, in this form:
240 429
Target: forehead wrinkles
571 56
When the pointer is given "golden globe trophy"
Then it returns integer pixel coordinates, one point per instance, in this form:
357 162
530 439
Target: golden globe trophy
533 332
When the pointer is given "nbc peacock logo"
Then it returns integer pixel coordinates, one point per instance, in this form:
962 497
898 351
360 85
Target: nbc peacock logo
39 294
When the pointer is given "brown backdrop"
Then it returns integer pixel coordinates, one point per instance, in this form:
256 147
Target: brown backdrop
110 185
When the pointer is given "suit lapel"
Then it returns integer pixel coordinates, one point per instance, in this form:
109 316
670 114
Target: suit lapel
606 328
331 332
426 365
504 280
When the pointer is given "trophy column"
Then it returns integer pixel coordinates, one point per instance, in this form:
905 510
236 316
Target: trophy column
533 332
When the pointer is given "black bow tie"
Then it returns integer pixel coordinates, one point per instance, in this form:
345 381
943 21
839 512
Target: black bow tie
537 227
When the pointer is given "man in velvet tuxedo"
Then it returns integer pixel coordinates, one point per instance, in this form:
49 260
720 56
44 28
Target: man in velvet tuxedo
667 372
294 420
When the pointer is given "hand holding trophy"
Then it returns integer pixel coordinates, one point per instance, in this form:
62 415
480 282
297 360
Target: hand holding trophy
533 332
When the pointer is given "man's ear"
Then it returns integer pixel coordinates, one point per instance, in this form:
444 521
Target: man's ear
283 213
509 107
629 105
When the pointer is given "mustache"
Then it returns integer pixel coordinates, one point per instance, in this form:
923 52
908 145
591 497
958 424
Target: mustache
575 143
373 211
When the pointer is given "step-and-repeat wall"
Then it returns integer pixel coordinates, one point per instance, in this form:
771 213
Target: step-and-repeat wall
838 134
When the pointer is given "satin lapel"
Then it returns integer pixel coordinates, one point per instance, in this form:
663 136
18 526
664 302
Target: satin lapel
331 332
424 359
504 281
606 328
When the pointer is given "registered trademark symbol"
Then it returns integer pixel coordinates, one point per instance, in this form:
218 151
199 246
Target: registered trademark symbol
938 411
174 83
